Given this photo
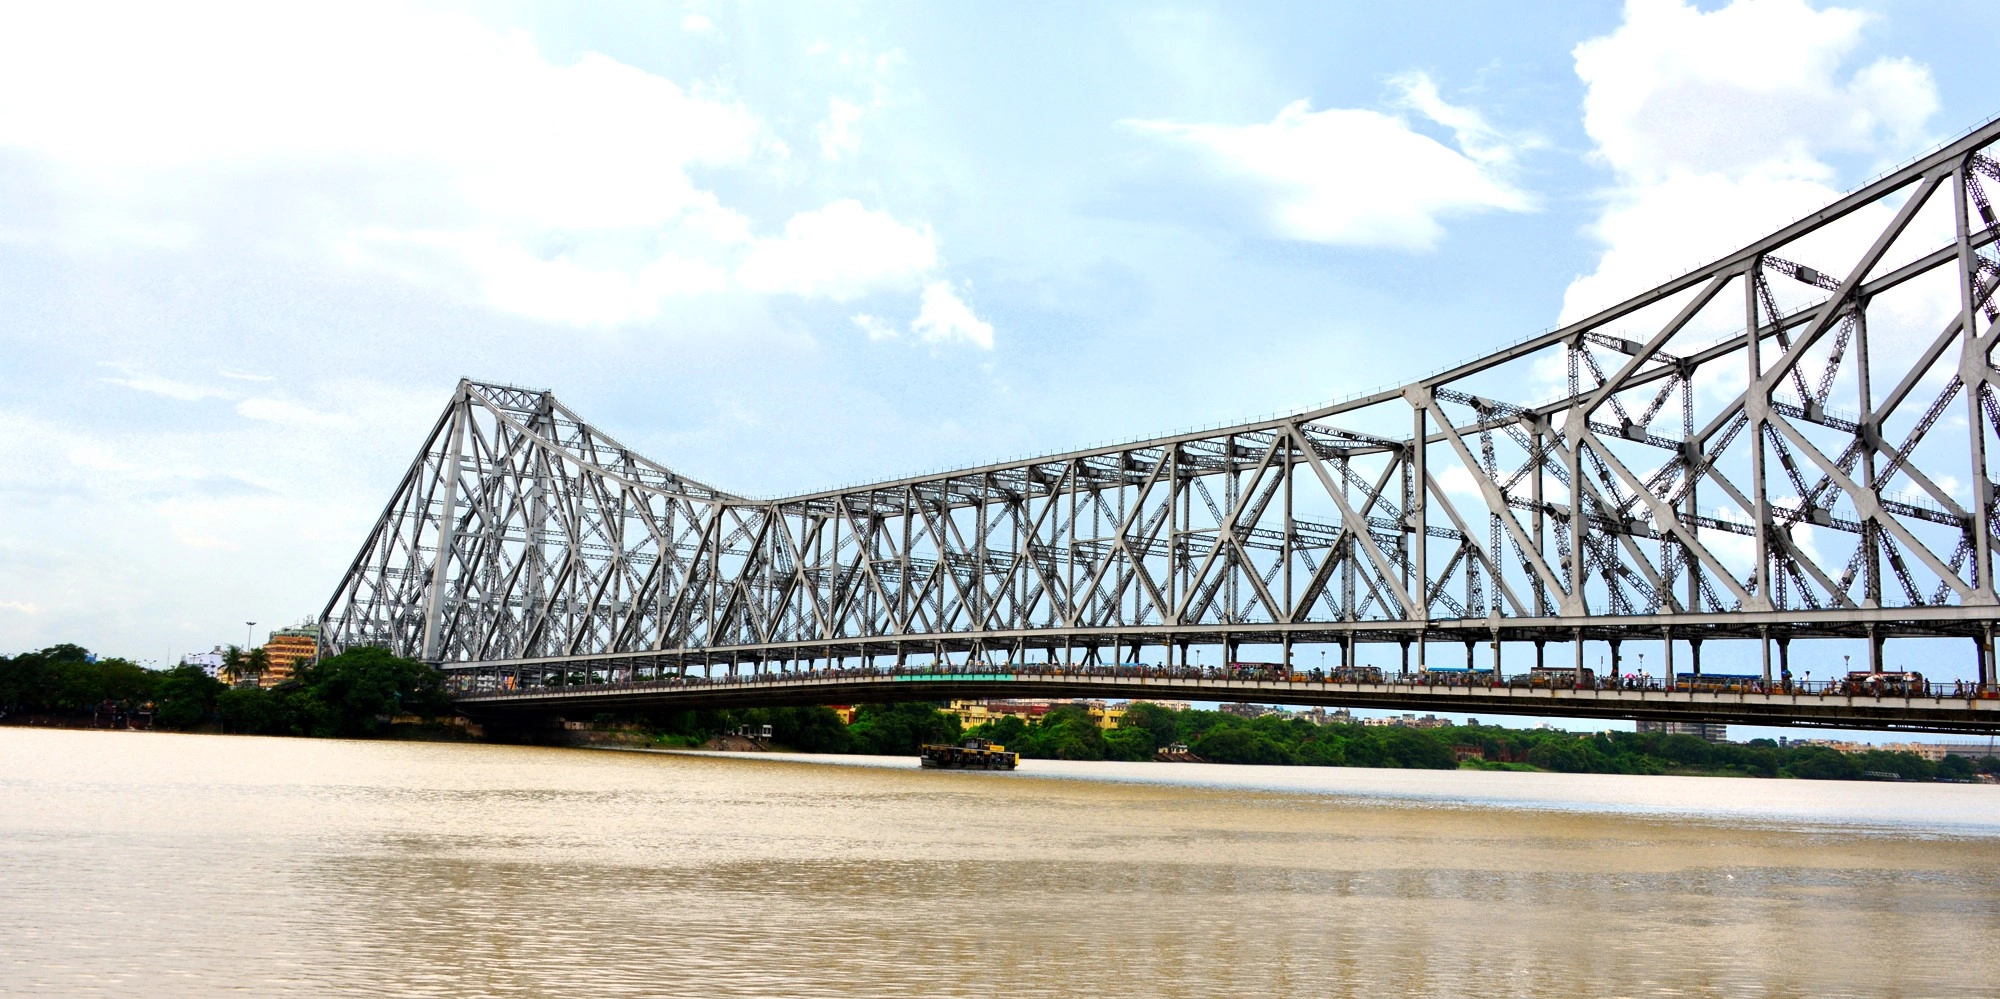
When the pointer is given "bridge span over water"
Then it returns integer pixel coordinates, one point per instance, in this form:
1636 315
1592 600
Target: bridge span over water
1789 444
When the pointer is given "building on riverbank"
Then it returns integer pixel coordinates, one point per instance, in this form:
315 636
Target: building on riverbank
285 650
1709 731
210 662
1932 751
1107 715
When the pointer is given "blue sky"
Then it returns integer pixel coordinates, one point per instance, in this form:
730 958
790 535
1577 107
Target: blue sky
246 250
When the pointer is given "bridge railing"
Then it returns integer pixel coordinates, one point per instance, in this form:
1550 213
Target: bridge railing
473 684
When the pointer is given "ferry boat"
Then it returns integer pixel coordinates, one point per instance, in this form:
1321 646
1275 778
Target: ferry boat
972 754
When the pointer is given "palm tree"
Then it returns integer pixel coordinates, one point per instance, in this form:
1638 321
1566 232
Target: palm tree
234 665
257 663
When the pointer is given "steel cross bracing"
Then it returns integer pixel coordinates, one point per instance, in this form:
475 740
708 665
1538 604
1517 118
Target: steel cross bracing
1789 442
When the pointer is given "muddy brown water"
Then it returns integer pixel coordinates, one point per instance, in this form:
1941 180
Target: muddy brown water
153 864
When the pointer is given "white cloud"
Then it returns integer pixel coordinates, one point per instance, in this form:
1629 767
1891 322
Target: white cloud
426 145
22 606
1358 177
697 24
245 376
876 327
838 138
291 414
840 252
1715 133
945 318
168 387
140 531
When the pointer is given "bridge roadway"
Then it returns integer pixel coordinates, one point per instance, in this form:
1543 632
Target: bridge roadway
1956 708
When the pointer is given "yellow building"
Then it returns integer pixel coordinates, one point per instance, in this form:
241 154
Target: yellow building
1108 715
287 648
972 713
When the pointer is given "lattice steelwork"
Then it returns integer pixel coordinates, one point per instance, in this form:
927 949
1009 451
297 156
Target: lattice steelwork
1791 441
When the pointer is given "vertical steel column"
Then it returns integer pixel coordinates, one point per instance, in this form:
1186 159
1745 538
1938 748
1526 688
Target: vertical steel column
1756 403
1575 423
1764 648
1577 677
1285 545
1418 512
1871 547
1536 500
447 533
1972 354
1986 663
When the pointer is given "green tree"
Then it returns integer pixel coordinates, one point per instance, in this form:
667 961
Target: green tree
1242 744
1068 732
1821 763
901 729
1569 756
234 666
256 663
357 692
185 698
1162 723
1414 749
1009 730
251 711
1908 766
1956 767
810 730
1130 743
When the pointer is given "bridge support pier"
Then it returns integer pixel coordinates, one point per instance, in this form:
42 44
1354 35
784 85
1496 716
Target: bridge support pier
1785 659
1667 662
1694 654
1577 676
1617 659
1985 641
1874 650
1468 655
1764 646
1406 655
1541 646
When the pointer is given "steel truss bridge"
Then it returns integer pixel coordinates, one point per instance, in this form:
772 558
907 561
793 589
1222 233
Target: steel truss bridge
1788 443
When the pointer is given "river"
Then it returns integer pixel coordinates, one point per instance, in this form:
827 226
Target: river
153 864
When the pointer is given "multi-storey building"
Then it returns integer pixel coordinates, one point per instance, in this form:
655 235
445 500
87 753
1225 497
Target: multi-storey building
286 649
210 662
1711 731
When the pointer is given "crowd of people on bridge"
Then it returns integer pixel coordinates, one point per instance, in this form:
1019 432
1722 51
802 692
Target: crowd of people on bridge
629 674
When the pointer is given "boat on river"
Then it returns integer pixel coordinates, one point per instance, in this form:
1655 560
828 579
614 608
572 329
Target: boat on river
972 754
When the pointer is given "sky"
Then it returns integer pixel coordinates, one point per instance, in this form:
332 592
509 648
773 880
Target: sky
247 250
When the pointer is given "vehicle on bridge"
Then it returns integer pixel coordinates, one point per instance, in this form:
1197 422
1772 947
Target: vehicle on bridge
1722 683
1357 674
1866 683
972 754
1556 677
1456 676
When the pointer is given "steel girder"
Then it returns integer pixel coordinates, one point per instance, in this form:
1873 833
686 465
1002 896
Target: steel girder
1792 440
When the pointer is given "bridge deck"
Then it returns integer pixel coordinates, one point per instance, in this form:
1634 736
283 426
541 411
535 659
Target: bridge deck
1974 711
